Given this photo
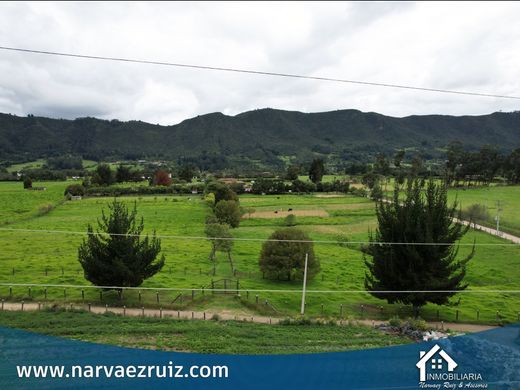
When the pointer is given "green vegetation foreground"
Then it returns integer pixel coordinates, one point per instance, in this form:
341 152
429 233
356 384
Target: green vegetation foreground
199 336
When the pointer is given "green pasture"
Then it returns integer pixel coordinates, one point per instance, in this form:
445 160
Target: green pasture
488 196
51 259
17 203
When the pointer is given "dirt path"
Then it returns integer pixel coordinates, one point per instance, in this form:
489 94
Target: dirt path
482 228
494 232
208 315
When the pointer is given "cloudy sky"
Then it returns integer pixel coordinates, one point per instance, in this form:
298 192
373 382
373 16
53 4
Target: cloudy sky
461 46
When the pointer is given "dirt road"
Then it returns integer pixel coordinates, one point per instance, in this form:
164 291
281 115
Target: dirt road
226 316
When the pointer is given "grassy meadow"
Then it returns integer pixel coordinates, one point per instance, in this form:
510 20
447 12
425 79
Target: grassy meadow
51 259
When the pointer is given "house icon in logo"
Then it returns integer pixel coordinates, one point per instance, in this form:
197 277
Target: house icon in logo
434 360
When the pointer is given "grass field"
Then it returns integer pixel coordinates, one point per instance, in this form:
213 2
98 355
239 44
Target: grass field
87 164
18 204
46 258
488 196
199 336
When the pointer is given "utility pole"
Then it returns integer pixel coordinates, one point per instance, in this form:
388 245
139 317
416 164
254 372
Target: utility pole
304 284
497 218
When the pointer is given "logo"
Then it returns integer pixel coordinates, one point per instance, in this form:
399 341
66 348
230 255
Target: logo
435 360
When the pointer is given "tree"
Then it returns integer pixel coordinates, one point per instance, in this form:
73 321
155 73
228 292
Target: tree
399 268
293 171
382 165
116 255
162 178
454 157
512 166
377 192
221 240
123 174
317 170
27 182
286 259
186 173
103 175
417 166
399 157
221 191
228 212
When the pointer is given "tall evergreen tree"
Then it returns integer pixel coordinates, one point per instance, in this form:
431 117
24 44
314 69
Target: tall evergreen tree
116 255
317 170
408 272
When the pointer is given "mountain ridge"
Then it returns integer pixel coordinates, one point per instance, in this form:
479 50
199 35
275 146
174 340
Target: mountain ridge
268 136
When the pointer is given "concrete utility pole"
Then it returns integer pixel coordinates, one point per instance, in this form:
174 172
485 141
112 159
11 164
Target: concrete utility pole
497 218
304 284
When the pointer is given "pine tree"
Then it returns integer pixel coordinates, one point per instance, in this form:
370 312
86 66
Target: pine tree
116 255
317 170
406 266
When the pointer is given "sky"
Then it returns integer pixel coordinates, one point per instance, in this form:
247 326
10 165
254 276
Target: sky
469 46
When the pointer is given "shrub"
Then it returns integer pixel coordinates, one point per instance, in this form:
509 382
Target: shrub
290 220
75 190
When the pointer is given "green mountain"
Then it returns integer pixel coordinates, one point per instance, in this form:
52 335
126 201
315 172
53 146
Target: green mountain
261 138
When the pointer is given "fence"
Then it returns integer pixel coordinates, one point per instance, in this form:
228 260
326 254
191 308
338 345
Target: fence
317 304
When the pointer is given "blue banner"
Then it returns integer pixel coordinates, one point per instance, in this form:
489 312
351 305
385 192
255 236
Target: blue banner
488 359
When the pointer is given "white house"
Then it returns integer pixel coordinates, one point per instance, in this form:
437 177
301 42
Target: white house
434 360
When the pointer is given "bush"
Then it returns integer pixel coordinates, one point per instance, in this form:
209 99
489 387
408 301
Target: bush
290 220
75 190
27 183
395 322
476 212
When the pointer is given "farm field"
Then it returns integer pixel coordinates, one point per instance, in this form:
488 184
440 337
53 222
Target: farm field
488 196
51 259
17 203
199 336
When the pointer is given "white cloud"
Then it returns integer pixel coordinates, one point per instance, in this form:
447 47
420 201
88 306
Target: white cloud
464 46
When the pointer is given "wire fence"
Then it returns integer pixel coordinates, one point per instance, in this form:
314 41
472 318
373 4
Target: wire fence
260 300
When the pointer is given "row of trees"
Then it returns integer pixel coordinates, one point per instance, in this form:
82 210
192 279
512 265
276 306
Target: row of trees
461 166
411 258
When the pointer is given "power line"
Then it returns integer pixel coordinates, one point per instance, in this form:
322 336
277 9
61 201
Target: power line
257 72
481 291
166 236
